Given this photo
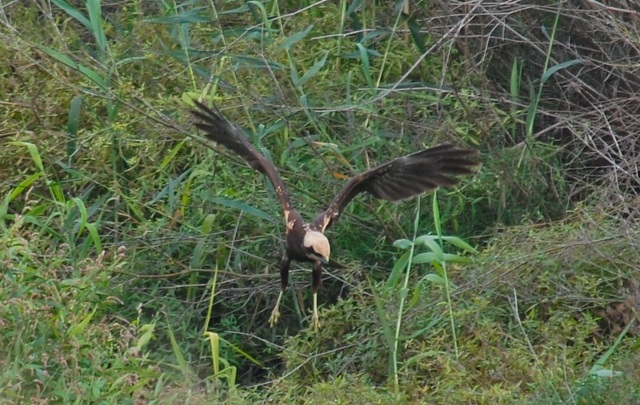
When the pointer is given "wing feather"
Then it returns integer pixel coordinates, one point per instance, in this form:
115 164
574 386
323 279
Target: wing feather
221 131
404 177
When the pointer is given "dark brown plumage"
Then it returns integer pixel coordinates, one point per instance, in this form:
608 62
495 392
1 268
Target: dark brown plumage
399 179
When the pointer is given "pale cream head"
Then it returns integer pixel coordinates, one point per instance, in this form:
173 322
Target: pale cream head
319 244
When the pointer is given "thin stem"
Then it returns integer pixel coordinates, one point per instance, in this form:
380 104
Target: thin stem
443 263
403 297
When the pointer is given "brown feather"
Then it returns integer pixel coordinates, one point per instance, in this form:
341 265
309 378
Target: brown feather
403 178
221 131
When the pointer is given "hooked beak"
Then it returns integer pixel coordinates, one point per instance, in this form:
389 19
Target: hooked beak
323 260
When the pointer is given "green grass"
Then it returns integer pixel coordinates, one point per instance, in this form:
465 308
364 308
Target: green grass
139 266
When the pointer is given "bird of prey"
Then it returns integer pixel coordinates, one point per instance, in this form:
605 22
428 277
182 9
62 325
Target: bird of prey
399 179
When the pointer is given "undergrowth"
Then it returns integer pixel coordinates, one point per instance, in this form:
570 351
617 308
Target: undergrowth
139 264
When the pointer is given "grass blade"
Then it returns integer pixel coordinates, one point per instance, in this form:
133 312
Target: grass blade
97 27
67 61
73 121
295 38
313 71
73 12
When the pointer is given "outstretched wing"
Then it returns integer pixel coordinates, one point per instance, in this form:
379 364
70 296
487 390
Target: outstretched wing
403 178
221 131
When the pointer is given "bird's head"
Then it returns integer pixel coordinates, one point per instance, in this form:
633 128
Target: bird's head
317 246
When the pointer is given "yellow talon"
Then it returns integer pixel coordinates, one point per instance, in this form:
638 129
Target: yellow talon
315 321
275 314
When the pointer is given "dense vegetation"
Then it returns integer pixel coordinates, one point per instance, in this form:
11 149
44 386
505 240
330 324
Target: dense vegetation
139 266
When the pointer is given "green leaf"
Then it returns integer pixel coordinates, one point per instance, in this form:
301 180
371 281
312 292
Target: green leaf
428 257
514 83
97 27
434 246
607 373
95 236
73 120
73 13
531 112
243 9
370 53
313 71
452 258
396 272
415 296
171 155
83 214
192 16
558 67
214 341
78 328
246 208
433 324
416 34
295 77
599 365
421 240
207 224
456 241
177 352
64 59
24 184
242 353
196 256
355 4
295 38
435 279
403 243
147 334
376 35
33 151
436 213
256 63
261 18
364 60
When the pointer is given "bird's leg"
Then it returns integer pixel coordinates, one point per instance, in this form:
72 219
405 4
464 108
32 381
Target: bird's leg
315 285
275 314
315 319
284 281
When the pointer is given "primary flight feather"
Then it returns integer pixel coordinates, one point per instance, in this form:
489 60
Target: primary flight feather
399 179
